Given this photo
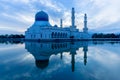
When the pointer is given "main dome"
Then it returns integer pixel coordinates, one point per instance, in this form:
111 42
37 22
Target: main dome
41 16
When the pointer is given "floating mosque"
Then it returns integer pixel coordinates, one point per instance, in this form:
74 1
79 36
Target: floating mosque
42 30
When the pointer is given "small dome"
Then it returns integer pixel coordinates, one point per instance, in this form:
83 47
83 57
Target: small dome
41 16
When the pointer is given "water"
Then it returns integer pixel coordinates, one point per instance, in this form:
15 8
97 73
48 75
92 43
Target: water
60 61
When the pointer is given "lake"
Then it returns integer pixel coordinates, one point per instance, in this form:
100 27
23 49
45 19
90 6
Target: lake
93 60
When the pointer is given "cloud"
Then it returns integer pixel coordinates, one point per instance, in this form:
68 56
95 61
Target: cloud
107 13
101 13
51 4
23 13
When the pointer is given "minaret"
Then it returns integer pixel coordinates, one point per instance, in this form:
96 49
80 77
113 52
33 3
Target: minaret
73 19
85 29
61 23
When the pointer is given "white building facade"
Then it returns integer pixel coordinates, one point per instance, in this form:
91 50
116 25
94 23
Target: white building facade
43 30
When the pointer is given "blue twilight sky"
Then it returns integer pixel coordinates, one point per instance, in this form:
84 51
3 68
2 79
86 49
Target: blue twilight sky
17 15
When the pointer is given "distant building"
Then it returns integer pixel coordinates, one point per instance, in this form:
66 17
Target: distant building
43 30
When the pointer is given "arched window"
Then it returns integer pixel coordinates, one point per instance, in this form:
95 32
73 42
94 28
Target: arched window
58 35
63 35
41 35
52 35
55 35
66 35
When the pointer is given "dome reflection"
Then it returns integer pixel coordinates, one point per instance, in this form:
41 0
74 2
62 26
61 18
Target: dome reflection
42 63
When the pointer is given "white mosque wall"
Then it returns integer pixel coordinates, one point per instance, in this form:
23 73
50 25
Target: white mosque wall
54 34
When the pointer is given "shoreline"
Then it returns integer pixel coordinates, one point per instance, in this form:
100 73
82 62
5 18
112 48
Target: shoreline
59 40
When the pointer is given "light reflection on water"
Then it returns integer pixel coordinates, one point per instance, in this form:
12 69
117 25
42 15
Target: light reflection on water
60 61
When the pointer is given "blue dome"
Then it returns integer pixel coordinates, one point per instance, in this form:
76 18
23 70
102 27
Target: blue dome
41 16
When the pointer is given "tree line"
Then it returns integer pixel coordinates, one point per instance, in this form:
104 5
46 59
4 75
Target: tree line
95 35
12 36
101 35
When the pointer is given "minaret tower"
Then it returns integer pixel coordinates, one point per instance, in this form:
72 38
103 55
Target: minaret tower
85 29
72 23
73 19
61 24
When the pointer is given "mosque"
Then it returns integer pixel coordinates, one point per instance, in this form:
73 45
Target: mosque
42 30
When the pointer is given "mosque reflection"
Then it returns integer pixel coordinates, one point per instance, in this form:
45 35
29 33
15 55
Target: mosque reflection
43 51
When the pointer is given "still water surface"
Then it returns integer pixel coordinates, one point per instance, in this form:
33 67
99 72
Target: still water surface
60 61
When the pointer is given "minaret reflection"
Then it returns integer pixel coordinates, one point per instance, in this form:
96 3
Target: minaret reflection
61 56
73 53
73 60
85 49
43 51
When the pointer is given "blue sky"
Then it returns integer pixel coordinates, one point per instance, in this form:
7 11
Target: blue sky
18 15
